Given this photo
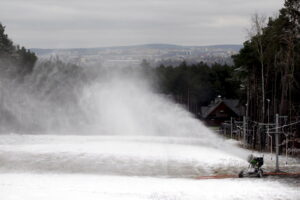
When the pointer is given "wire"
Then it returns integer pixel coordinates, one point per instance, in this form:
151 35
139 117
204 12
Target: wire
285 125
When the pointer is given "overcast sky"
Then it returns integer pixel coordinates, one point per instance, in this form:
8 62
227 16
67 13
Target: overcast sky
97 23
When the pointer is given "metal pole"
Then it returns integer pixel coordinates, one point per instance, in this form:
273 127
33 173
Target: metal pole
188 99
231 127
269 125
244 129
268 112
286 148
277 143
271 145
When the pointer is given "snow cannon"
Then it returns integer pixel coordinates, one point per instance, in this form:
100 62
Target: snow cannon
254 169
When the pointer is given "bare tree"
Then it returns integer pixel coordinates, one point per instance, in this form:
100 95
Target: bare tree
258 23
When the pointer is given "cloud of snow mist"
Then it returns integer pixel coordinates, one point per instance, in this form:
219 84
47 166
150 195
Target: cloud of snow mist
62 98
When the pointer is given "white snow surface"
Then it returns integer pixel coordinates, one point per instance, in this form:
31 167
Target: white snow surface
34 167
143 155
77 187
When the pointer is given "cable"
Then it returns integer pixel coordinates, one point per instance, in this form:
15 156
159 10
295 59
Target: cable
285 125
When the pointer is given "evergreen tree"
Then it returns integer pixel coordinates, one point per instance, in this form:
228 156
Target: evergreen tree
14 60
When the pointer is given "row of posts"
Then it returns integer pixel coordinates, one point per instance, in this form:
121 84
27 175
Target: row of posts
276 137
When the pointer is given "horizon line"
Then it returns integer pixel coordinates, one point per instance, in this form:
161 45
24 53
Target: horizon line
136 45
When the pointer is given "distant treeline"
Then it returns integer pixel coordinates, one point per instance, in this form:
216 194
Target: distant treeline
196 85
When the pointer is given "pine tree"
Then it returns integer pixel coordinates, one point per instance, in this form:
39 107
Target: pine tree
14 60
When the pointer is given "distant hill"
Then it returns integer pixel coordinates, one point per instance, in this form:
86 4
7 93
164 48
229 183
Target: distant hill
154 53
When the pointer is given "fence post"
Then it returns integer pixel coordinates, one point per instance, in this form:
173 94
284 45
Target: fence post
244 130
277 143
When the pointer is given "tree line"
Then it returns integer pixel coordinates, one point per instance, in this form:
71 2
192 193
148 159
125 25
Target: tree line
15 61
269 65
196 85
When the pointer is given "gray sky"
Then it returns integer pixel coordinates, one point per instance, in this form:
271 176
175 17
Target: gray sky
96 23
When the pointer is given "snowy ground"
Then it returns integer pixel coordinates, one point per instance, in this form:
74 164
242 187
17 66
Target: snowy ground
51 186
107 167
